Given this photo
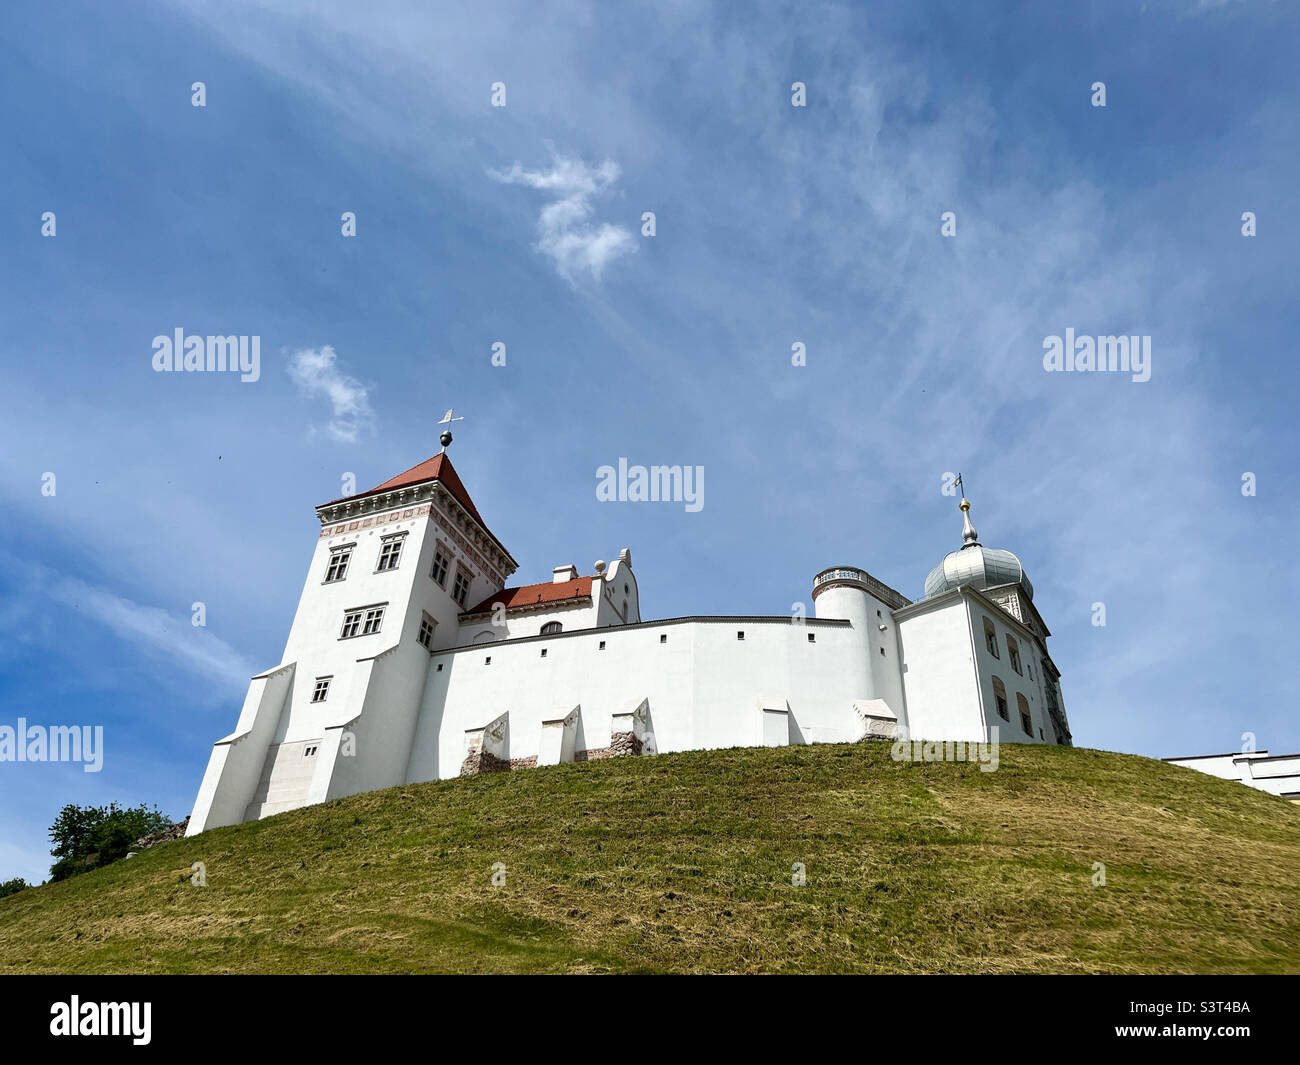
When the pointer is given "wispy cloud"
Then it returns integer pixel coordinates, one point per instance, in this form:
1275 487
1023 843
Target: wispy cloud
316 373
153 630
566 232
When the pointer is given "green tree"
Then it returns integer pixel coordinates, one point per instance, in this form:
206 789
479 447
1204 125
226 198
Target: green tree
83 837
12 887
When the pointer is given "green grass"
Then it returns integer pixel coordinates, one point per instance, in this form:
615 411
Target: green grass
683 863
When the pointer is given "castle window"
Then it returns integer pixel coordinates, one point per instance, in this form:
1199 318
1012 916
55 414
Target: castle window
374 618
663 637
427 627
460 587
877 613
625 591
882 652
812 637
439 667
309 752
440 563
551 628
351 624
390 553
1000 697
1026 722
338 565
602 645
1013 653
321 690
488 660
543 652
991 638
740 635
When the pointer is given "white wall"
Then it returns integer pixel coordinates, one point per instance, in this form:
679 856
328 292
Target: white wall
939 675
704 686
1275 774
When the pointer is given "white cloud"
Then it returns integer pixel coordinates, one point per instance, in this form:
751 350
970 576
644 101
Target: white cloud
565 230
148 628
316 373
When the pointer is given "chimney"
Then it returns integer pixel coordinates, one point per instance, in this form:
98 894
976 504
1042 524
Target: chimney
560 574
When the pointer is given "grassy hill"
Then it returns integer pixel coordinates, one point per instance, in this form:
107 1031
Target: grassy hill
683 863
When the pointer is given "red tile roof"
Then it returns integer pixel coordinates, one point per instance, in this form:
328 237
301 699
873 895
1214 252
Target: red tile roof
534 594
438 468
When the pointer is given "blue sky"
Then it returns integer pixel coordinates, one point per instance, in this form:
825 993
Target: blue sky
522 224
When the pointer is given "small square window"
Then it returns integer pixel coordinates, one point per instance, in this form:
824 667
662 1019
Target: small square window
543 652
308 752
321 690
877 613
488 660
740 635
663 637
602 645
882 652
812 637
439 667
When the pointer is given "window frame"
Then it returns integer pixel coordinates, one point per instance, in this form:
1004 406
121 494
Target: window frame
321 689
429 622
462 574
1013 654
990 637
441 551
390 547
335 552
1000 700
365 624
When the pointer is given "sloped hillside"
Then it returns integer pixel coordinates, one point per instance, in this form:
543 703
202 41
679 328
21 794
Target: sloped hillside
685 862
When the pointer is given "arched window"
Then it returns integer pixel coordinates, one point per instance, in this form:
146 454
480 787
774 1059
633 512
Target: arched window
551 628
1026 722
1000 697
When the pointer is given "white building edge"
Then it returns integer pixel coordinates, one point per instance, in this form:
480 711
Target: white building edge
1277 774
410 660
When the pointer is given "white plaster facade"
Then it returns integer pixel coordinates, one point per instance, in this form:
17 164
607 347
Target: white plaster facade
1277 774
460 673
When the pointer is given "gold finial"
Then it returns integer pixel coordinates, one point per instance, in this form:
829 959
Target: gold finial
969 537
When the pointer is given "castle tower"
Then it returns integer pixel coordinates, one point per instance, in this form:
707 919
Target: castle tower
977 616
854 595
392 570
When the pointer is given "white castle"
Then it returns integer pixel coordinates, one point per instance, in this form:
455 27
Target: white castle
410 660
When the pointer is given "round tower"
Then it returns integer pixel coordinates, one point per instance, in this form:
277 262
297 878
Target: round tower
844 592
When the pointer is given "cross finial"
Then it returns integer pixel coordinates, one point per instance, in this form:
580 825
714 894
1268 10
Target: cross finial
446 420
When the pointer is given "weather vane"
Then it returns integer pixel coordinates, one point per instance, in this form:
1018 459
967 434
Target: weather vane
446 420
